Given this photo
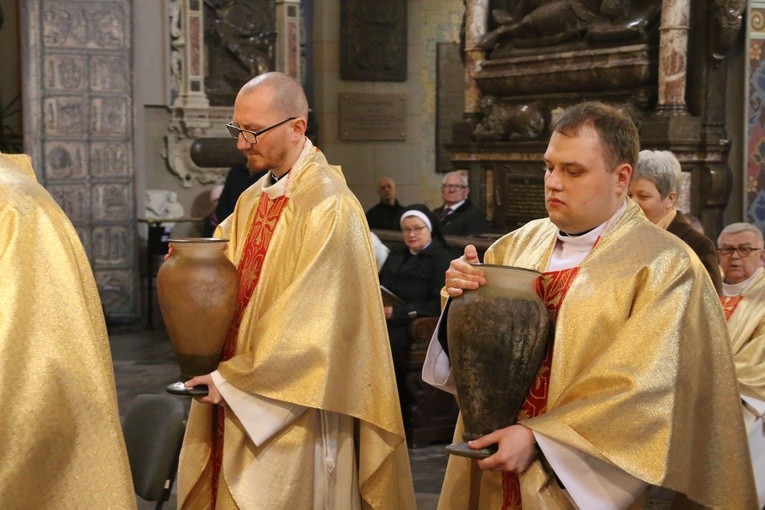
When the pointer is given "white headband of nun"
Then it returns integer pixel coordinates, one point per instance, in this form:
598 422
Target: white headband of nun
419 214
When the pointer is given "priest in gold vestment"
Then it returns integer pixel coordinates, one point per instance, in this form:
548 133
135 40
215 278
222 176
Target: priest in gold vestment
742 258
639 404
61 443
302 412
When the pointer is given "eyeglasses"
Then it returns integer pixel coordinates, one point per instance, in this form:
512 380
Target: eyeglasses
415 230
453 187
744 251
252 136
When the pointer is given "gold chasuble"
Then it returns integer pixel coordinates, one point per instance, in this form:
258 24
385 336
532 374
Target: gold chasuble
311 335
641 375
61 443
746 323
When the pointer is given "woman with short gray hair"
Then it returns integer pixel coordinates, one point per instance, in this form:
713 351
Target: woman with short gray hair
654 186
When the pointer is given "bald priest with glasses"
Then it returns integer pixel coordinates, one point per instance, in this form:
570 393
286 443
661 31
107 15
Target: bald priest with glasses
742 257
302 411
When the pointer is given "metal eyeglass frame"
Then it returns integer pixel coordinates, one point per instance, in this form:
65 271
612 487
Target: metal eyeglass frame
235 130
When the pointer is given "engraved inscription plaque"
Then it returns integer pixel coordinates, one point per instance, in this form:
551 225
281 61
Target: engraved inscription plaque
372 117
525 200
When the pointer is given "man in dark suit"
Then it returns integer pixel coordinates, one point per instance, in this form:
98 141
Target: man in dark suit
458 216
386 213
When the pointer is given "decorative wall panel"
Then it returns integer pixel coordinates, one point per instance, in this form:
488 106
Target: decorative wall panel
754 203
78 103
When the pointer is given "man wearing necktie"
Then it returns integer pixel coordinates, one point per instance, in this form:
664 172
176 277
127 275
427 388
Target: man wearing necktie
458 216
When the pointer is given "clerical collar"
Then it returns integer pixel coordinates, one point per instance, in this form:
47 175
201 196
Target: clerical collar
570 250
734 289
275 179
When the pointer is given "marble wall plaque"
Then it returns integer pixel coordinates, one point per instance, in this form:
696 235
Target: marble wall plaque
372 117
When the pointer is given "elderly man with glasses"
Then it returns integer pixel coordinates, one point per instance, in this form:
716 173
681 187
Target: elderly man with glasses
458 216
302 411
742 258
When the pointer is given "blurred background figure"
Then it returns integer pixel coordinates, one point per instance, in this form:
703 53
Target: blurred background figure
415 273
742 258
695 222
654 186
458 216
380 250
238 179
387 212
62 445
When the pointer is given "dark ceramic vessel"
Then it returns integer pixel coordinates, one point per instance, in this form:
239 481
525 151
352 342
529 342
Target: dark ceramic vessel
497 340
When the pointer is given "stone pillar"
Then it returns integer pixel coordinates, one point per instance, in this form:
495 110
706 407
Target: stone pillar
673 55
476 19
188 49
77 97
288 38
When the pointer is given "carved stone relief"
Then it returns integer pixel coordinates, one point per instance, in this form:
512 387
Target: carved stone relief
112 202
66 160
77 101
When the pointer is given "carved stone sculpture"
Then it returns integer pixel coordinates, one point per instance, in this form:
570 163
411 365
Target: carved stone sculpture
536 23
240 37
503 121
727 23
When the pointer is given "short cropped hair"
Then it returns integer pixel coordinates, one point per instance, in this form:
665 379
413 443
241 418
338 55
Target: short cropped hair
661 168
459 174
617 132
735 228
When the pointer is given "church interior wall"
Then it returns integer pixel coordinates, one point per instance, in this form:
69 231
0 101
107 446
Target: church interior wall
734 120
412 162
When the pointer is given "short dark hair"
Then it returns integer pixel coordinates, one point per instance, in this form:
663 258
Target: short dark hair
617 132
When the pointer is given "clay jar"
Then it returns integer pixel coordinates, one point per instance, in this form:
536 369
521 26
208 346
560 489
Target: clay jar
497 340
197 291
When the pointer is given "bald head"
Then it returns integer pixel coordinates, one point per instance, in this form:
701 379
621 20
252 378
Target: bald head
287 96
386 188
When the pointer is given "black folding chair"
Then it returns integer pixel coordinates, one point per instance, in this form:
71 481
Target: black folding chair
153 428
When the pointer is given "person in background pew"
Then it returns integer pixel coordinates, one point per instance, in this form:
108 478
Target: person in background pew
654 186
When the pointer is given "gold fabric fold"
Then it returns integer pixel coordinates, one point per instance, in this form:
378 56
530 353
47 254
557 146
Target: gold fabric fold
634 382
313 334
62 443
747 335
